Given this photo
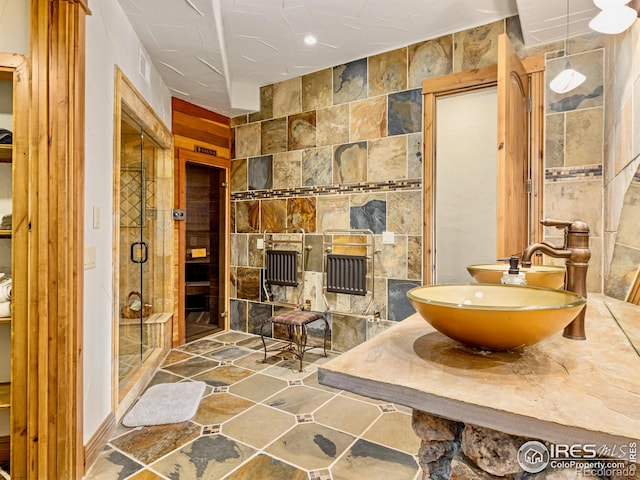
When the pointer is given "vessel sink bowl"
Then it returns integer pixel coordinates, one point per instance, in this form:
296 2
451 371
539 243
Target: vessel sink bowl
496 317
550 276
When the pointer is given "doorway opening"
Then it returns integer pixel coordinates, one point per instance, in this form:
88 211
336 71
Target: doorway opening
465 207
510 154
204 244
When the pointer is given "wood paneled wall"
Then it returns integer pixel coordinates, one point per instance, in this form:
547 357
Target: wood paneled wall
56 191
196 128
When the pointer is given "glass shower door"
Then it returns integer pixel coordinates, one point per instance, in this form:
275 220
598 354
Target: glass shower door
137 218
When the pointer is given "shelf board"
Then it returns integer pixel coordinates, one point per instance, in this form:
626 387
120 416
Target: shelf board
5 320
5 395
5 233
197 284
6 153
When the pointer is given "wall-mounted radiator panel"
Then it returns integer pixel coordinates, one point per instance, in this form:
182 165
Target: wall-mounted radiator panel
347 274
282 267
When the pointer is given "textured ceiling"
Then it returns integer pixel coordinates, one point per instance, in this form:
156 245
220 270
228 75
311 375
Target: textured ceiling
217 53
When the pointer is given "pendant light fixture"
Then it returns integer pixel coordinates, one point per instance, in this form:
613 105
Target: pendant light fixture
568 79
614 18
605 4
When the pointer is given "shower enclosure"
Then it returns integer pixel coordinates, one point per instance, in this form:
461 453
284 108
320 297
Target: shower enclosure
143 243
144 261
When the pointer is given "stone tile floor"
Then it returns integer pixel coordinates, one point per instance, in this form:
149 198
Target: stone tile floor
263 421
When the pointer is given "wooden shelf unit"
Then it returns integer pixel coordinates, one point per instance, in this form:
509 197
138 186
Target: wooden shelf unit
6 157
14 175
6 153
5 395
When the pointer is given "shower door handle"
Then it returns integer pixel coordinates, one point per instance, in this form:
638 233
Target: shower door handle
145 252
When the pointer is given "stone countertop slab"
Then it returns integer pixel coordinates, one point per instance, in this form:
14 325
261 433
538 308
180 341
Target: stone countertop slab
560 390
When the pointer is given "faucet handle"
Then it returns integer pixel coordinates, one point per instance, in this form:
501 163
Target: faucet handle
559 224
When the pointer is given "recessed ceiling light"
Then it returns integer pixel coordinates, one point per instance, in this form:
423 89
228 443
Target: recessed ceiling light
310 40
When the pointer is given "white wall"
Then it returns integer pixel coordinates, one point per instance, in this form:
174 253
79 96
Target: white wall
14 26
110 41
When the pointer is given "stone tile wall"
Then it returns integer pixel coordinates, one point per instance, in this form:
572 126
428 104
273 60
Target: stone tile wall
342 148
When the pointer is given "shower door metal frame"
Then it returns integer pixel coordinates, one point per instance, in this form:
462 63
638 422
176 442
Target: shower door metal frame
139 246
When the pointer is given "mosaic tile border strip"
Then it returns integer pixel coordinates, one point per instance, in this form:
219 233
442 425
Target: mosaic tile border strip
320 475
590 172
387 407
304 418
211 429
362 187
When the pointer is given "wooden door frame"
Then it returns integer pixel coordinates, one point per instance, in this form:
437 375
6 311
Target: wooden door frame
185 156
634 292
56 240
468 81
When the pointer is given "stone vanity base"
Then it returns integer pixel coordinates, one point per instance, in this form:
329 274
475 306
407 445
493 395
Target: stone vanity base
456 451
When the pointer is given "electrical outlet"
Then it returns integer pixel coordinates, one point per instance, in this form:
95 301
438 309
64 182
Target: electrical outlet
89 257
96 218
260 244
388 238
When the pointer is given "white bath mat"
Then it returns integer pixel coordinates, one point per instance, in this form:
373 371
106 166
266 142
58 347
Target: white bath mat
165 403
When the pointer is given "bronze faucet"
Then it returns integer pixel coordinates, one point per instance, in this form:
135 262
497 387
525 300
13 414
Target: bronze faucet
577 254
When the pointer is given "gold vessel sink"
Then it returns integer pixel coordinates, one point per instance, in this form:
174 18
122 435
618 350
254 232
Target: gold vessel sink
550 276
496 317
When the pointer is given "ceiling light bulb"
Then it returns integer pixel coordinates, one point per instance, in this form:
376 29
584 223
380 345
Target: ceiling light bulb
605 4
310 40
567 80
613 20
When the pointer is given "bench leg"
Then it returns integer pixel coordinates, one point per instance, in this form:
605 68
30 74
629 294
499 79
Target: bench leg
326 335
298 339
264 344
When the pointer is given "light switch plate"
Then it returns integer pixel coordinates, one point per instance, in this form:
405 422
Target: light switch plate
260 244
388 238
